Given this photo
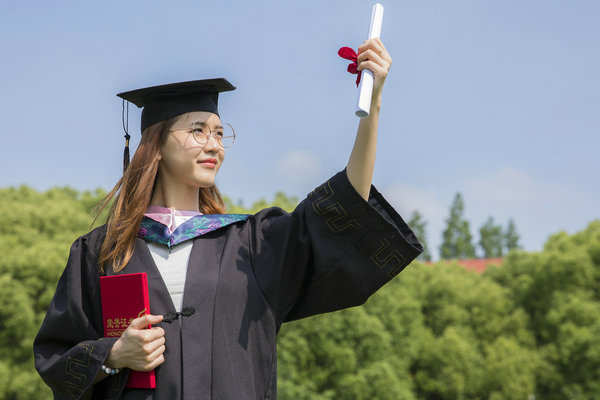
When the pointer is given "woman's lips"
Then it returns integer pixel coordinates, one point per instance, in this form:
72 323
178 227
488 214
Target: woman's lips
209 163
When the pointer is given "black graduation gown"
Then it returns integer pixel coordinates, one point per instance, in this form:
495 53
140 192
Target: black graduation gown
333 251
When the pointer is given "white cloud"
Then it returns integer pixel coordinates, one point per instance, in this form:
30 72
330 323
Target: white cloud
513 189
510 187
539 206
406 199
300 166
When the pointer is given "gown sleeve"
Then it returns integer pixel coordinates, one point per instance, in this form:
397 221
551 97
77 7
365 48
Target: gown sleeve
332 252
69 348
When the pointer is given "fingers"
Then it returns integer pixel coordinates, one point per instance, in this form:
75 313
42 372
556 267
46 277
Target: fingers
372 44
374 50
150 347
377 46
145 320
371 61
369 54
155 363
373 55
376 69
152 357
150 335
137 331
157 355
139 349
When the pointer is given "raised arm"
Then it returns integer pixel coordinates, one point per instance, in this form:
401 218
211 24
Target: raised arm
372 55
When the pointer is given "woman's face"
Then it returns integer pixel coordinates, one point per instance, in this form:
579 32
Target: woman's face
183 159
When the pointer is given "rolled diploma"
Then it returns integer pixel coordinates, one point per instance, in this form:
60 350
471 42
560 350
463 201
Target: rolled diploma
365 89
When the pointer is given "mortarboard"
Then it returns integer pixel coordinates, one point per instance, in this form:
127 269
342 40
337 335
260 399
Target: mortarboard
167 101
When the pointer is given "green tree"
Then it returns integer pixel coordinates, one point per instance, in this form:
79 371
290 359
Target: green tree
470 321
333 356
418 225
491 239
36 230
511 236
281 200
457 238
559 288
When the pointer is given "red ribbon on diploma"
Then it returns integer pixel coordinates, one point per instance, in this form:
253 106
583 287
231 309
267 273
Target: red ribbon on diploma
350 54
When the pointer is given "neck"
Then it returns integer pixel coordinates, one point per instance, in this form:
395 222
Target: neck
174 195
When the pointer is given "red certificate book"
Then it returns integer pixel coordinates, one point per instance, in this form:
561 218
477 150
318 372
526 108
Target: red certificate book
124 298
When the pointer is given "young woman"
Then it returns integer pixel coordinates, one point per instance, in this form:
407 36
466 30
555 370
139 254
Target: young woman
229 280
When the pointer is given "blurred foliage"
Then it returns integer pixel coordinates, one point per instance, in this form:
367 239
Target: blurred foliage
511 236
36 231
494 241
491 239
456 238
419 227
528 328
281 200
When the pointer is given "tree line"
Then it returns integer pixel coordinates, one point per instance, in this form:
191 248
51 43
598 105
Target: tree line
529 329
457 240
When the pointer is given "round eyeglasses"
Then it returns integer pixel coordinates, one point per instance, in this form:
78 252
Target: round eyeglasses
225 134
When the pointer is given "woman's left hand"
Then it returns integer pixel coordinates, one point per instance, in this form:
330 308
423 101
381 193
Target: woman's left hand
372 55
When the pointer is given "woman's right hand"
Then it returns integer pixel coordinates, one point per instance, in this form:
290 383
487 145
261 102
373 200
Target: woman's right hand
138 348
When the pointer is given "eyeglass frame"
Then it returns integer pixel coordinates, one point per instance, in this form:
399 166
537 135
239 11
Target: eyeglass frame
210 134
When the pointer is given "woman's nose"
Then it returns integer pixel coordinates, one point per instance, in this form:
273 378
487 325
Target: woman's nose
212 144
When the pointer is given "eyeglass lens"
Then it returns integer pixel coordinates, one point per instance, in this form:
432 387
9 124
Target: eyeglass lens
225 134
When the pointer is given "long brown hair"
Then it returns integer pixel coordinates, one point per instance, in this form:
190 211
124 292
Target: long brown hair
132 195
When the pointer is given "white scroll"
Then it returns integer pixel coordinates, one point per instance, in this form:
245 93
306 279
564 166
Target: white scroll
365 89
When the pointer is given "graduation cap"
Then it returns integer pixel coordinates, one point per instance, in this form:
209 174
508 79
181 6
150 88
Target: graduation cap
167 101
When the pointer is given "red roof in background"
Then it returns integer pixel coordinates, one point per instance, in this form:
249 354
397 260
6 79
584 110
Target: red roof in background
476 264
479 264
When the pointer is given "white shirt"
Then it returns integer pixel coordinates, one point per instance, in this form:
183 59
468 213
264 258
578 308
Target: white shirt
172 264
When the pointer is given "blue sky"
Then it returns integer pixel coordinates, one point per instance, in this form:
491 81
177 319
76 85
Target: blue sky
498 100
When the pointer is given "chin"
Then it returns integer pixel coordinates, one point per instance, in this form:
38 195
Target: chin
204 182
204 179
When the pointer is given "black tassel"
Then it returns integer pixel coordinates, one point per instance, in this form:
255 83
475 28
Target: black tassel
127 137
126 153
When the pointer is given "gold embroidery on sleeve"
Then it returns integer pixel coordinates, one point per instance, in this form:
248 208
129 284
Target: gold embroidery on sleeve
324 204
391 258
76 380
